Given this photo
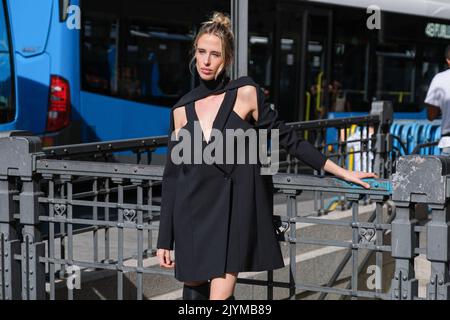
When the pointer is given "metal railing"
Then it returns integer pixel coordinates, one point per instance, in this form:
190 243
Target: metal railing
46 203
367 235
344 140
362 143
105 150
421 180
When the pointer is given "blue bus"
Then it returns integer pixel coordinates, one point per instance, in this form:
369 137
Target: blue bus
98 70
40 98
102 70
48 68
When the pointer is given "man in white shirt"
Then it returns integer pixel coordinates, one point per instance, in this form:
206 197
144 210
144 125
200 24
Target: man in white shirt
438 100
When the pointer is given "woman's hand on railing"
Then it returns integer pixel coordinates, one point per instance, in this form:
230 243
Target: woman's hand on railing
356 176
164 258
349 176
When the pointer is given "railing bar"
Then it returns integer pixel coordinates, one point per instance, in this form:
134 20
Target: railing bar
379 242
2 267
120 245
86 203
92 223
95 217
51 241
355 241
62 240
150 215
69 231
154 269
259 282
107 231
140 243
292 212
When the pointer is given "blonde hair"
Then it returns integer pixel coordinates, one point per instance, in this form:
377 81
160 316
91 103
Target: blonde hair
219 25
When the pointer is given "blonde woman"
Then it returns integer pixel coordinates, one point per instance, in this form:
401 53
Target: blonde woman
218 217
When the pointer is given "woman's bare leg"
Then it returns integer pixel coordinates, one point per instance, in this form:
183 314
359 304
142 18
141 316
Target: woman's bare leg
223 287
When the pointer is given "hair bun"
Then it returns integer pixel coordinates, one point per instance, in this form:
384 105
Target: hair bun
222 19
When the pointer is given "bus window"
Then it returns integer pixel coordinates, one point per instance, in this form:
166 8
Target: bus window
140 51
154 68
432 63
260 59
99 56
396 73
147 64
349 89
7 105
261 26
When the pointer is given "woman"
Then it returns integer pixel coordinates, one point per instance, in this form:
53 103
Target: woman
219 216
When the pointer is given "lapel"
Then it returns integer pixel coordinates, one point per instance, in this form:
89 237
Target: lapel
219 124
225 110
222 115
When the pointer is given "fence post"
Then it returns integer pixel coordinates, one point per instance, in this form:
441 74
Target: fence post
33 271
404 241
438 235
9 244
291 198
438 253
383 142
17 162
354 200
420 179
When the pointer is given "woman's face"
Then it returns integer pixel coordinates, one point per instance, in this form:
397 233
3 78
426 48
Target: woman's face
208 56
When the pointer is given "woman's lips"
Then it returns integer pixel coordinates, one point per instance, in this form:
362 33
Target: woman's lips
206 71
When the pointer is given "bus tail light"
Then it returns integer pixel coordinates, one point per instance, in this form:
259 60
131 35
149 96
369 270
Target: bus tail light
58 115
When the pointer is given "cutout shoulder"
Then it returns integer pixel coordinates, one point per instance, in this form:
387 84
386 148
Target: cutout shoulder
175 108
247 92
179 116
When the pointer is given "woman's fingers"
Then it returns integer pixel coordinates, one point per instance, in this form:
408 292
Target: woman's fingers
360 182
168 262
370 175
362 175
364 184
164 258
355 178
160 254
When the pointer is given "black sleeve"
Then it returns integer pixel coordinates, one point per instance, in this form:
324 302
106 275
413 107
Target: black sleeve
170 174
289 139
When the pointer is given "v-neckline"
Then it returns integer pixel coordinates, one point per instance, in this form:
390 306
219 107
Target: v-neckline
213 125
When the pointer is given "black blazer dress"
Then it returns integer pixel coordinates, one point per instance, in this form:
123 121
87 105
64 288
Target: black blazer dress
218 218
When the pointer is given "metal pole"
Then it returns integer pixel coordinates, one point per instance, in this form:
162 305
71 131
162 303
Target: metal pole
404 285
438 254
9 244
239 17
